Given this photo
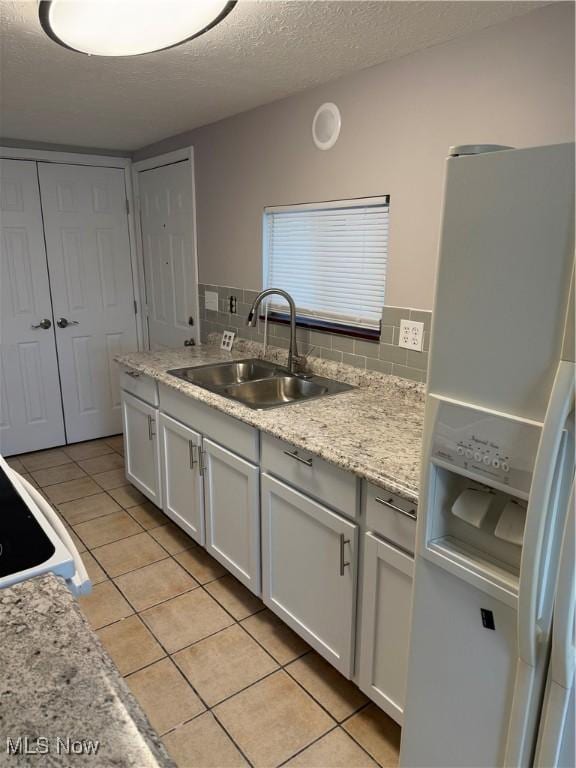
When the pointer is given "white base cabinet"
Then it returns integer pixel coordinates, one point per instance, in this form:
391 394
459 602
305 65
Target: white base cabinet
182 491
141 446
287 545
309 560
232 510
385 625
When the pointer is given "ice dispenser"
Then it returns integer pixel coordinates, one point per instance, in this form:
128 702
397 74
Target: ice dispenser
479 475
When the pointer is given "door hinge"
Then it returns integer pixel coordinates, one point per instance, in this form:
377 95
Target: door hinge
127 206
135 307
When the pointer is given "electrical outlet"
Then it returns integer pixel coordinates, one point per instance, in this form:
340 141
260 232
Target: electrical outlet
411 335
211 300
233 304
227 340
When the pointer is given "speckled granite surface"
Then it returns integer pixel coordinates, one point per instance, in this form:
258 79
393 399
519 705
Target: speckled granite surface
374 431
58 682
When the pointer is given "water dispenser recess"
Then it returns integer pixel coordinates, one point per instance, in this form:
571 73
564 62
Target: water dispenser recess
472 506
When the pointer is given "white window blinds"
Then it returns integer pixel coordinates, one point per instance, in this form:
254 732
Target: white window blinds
331 257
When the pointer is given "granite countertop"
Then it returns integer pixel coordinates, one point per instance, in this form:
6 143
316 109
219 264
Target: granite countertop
59 683
374 431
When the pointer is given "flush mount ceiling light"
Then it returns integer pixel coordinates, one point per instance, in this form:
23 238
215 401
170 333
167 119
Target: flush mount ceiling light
128 27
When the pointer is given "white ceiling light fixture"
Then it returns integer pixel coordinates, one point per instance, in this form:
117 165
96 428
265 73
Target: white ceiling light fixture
128 27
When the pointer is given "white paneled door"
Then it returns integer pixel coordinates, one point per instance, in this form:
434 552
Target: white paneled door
90 271
30 402
168 246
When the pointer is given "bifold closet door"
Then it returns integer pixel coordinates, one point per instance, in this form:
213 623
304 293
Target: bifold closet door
30 402
88 249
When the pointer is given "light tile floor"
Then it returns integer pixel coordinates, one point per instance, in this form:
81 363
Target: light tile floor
221 678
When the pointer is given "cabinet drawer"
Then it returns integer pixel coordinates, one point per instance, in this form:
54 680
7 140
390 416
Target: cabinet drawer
138 384
329 484
391 516
226 430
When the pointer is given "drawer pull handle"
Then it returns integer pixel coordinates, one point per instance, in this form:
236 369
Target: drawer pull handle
151 432
294 455
133 374
343 562
388 503
193 461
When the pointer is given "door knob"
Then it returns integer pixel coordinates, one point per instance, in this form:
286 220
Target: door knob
64 323
44 324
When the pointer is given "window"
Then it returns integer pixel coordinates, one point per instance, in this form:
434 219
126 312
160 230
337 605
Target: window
331 257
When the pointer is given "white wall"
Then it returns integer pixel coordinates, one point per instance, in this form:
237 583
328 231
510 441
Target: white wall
509 84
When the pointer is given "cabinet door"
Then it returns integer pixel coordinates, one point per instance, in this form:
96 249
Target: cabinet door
232 510
182 493
141 448
309 557
385 628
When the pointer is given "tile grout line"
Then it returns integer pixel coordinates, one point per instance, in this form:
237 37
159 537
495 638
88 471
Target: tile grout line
314 741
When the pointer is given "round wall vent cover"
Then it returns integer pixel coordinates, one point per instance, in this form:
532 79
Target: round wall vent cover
326 126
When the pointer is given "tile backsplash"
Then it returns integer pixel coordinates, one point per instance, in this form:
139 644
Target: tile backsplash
384 356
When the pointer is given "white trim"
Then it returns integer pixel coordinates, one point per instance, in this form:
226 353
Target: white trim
134 258
68 158
170 157
186 153
100 161
360 202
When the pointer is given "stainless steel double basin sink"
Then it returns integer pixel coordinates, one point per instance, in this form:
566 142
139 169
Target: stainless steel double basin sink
259 384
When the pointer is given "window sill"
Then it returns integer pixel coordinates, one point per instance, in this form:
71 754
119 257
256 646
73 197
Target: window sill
314 324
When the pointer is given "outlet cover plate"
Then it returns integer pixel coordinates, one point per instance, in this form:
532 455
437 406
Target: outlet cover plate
211 300
227 340
411 335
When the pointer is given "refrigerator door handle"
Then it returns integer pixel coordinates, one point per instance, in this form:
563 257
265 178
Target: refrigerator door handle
557 715
539 510
563 659
542 509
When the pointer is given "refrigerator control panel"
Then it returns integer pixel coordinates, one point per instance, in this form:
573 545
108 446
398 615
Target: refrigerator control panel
486 445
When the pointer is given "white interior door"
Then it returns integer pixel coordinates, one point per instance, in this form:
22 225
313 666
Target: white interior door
168 246
88 251
30 402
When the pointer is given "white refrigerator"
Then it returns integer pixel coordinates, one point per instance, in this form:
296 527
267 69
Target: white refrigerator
491 663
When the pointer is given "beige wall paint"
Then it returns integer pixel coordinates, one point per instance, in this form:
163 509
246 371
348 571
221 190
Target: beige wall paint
510 84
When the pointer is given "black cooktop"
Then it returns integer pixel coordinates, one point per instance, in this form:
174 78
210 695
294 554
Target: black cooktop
23 543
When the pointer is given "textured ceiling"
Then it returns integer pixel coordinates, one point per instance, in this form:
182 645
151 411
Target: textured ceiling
261 52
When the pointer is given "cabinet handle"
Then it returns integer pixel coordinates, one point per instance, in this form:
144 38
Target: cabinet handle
151 432
294 455
388 503
201 464
193 461
133 374
343 563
